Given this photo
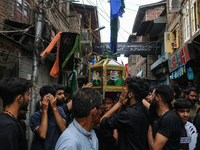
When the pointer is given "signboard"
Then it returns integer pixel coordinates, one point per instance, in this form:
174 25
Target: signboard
179 58
9 53
130 48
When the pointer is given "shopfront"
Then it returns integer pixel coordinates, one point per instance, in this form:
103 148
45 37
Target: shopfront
181 66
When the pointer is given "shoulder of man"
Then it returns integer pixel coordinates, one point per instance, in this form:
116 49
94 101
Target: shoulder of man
66 144
61 111
171 119
37 114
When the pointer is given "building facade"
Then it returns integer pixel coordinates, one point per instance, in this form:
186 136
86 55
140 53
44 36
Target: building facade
20 48
149 27
179 38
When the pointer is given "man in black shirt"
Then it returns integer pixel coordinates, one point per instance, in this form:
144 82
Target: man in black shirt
15 95
191 95
188 131
131 123
165 131
108 139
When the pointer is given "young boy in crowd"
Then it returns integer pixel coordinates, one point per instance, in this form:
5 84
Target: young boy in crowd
189 134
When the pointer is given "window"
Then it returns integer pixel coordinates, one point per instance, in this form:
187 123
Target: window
170 4
194 15
19 4
186 22
172 40
22 11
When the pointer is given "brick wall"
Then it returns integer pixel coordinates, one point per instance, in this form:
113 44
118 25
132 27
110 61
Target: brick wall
75 23
150 60
57 20
2 3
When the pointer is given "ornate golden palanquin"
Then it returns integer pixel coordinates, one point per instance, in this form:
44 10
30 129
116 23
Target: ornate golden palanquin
106 76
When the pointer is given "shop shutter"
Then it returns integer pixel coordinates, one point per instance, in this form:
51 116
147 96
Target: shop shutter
25 69
25 66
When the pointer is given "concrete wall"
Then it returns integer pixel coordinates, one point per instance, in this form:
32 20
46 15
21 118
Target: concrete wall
132 64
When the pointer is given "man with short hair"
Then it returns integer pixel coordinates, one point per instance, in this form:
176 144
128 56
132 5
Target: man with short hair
108 103
108 138
164 132
66 106
60 97
131 123
59 94
177 93
16 97
49 122
67 94
87 111
188 131
191 95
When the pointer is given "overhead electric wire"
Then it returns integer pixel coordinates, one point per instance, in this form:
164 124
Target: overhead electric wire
56 17
103 9
23 32
106 14
43 7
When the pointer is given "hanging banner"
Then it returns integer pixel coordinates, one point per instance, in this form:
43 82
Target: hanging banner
190 74
131 48
179 58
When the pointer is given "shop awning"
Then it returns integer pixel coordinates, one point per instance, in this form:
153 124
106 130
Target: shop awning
152 27
161 60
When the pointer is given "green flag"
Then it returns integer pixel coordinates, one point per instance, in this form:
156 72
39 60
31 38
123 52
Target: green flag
76 48
73 84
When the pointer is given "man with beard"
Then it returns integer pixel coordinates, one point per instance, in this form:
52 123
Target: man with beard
164 131
191 95
66 105
49 122
87 111
15 95
59 94
132 122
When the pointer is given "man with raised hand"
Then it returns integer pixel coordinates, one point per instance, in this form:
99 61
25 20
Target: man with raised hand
49 122
132 122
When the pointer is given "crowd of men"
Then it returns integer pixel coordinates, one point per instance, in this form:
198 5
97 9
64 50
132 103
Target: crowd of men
140 118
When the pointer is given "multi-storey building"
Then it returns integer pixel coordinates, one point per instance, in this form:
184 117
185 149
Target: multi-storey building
179 38
182 41
19 44
149 27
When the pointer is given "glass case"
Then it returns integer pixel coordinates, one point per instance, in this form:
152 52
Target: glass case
106 76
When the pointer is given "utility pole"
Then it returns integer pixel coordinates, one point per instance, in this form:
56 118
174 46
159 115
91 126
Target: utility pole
38 31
